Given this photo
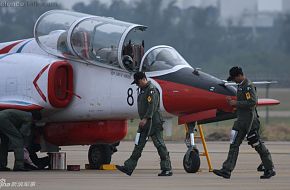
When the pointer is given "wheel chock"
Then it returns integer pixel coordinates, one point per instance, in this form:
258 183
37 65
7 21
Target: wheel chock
73 167
108 167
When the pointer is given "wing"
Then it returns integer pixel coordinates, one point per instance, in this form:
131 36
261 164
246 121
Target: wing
214 115
267 102
226 83
19 105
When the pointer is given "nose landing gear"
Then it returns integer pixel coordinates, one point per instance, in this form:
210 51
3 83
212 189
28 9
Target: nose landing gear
191 159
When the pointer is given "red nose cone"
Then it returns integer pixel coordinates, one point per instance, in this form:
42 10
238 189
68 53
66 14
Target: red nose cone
180 99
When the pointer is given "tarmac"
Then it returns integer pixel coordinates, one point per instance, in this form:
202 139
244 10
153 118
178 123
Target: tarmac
145 176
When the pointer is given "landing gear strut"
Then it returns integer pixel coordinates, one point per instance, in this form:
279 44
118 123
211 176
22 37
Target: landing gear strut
191 159
100 154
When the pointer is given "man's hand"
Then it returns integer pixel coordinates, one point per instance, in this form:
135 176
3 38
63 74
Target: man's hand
143 122
231 102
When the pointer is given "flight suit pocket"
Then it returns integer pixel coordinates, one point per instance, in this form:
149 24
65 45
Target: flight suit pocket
243 125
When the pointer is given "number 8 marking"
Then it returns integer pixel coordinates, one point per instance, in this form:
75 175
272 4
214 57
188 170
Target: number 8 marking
130 99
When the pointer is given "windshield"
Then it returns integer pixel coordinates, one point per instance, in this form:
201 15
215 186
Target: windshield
161 58
91 39
97 40
50 31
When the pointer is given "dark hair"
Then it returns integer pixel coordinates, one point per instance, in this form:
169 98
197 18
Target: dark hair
235 71
138 76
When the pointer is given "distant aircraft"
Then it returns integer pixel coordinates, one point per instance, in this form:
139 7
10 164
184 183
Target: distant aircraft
73 71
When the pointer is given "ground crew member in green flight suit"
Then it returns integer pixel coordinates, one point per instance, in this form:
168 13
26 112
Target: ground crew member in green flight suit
150 125
246 125
14 125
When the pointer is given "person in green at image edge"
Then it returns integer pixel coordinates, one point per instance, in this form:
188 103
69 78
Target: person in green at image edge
15 127
246 125
150 125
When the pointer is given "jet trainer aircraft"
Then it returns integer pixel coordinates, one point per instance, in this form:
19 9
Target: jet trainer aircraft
73 71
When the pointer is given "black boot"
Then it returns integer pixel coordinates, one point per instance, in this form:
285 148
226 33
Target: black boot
223 173
165 173
21 169
124 170
4 169
43 162
261 168
268 174
30 167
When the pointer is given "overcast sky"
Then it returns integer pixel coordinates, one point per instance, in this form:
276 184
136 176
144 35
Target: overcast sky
269 5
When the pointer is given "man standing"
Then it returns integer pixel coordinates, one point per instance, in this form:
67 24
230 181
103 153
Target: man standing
13 124
150 125
246 125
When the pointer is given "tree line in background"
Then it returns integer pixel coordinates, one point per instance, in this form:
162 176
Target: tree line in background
195 32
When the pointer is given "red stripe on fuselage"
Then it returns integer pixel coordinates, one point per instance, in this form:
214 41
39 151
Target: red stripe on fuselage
20 107
36 85
180 99
9 47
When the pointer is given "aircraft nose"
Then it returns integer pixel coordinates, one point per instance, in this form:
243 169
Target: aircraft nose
231 90
185 91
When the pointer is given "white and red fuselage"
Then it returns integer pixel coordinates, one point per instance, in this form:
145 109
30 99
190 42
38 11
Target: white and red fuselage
85 100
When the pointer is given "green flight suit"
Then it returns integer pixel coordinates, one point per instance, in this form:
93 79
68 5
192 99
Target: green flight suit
14 125
246 125
148 107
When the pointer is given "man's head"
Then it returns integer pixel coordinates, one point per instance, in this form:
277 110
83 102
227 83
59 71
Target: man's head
236 75
140 79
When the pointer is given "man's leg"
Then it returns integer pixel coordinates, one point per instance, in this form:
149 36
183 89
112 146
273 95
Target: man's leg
265 156
165 163
238 133
16 141
237 139
254 140
131 163
3 151
266 160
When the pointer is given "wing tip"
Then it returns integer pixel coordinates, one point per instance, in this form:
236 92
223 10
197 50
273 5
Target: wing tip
268 102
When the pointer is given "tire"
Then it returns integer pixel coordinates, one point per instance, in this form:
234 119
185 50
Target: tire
192 165
98 155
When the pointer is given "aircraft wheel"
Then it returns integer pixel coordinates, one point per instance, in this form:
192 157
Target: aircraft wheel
191 161
99 154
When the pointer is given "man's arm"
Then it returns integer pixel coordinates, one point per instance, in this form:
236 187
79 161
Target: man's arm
251 98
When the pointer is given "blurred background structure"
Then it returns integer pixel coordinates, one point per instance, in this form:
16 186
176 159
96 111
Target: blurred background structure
211 34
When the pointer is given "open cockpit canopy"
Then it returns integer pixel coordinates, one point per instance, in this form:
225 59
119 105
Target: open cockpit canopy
95 40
